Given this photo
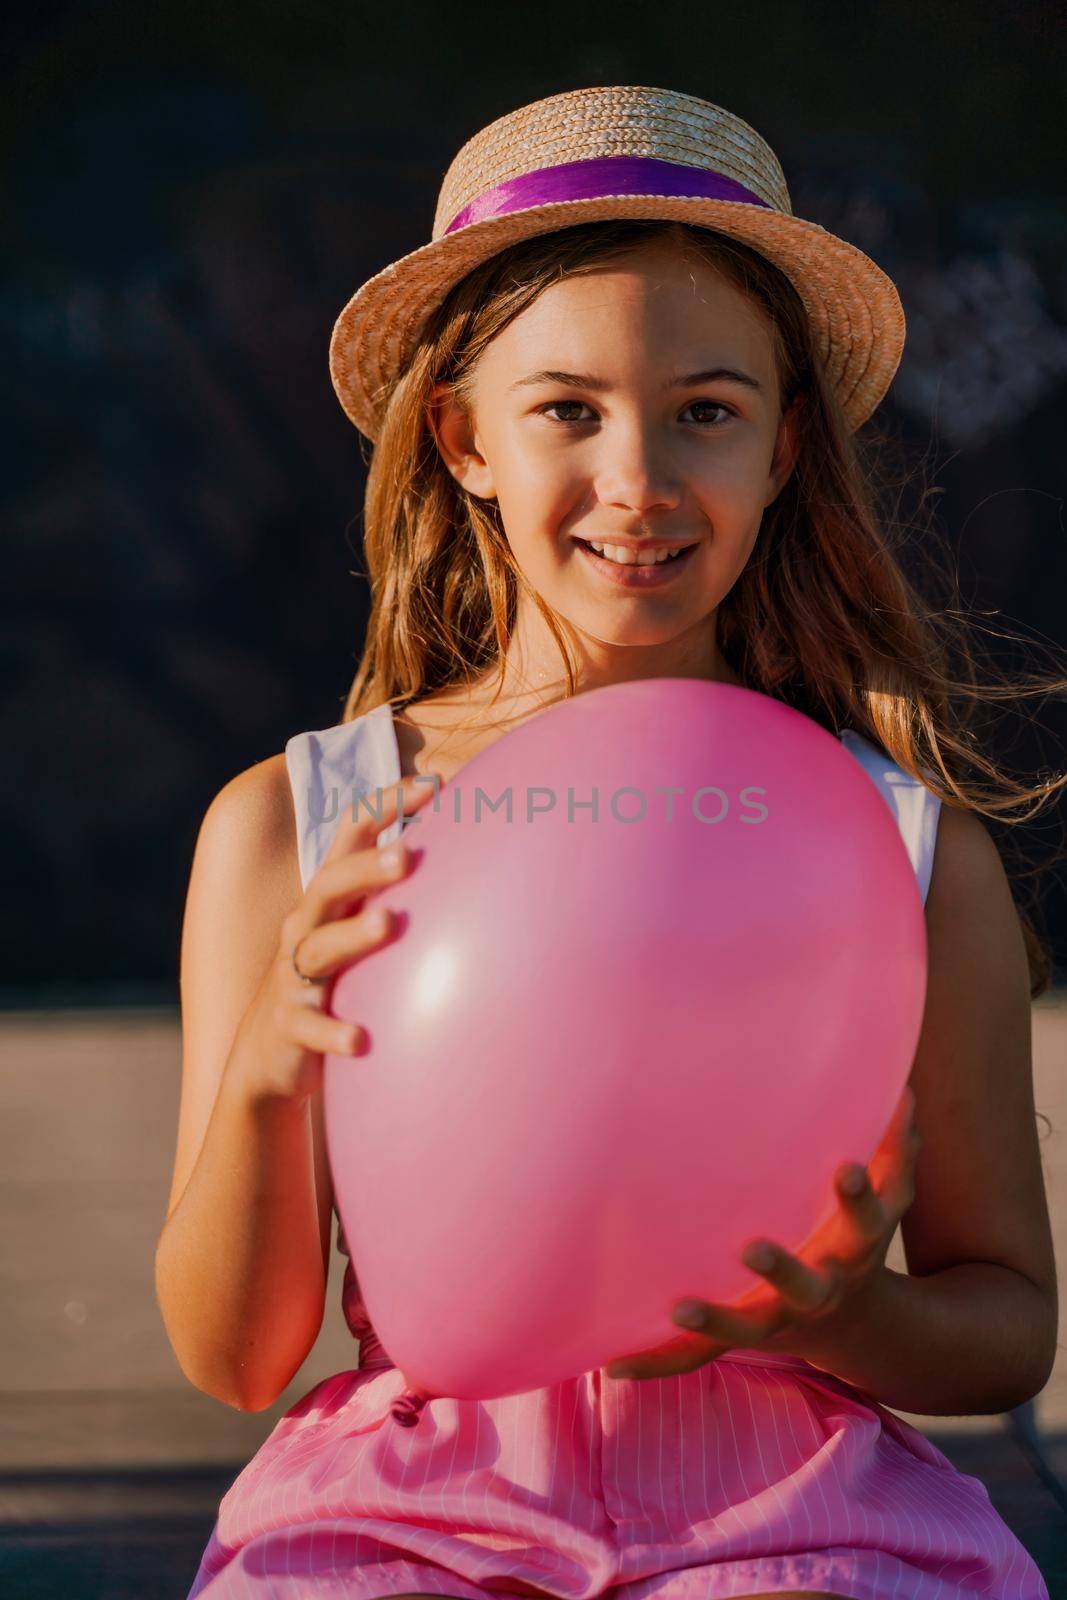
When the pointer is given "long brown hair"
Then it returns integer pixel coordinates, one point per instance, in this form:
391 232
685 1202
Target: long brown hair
823 617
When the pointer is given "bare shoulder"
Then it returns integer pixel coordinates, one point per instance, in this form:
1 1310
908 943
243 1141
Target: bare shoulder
976 950
967 870
977 968
979 1186
245 873
254 813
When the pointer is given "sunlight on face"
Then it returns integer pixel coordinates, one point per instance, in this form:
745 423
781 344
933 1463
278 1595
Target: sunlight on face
629 444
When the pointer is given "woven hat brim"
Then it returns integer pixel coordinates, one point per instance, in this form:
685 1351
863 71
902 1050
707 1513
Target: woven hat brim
856 316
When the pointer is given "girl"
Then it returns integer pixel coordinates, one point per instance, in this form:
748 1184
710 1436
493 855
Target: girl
620 347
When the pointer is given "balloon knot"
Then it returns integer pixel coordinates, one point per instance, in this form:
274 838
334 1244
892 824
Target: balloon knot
408 1408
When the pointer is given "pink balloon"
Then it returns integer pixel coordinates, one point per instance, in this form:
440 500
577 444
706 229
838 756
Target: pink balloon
608 1048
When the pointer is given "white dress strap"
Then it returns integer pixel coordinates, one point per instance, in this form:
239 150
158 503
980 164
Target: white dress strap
915 808
333 769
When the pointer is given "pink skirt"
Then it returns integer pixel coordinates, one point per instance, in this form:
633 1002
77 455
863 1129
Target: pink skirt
752 1474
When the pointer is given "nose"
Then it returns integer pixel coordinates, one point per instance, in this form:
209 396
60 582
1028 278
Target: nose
635 470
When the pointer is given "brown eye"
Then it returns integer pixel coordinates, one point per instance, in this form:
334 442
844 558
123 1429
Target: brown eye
710 405
563 405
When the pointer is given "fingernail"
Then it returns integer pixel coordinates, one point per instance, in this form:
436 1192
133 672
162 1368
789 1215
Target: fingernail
761 1257
689 1316
394 855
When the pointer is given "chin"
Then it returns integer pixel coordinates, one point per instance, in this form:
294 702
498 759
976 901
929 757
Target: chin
632 635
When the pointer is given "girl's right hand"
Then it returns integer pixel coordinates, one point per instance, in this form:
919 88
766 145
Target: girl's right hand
287 1030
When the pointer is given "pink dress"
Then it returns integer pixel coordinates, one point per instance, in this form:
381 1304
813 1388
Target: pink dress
755 1473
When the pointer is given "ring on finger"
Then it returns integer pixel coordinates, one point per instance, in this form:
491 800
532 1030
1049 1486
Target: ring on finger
303 976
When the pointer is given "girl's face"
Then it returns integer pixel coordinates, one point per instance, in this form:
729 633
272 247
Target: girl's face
637 405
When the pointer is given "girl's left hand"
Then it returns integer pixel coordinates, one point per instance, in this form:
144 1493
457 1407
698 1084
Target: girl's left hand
802 1295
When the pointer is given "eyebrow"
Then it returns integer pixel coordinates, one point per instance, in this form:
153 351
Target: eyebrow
586 380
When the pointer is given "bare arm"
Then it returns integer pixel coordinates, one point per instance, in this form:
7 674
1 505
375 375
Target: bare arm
974 1320
239 1270
970 1340
241 1261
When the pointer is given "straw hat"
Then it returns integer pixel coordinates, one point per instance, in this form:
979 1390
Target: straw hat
592 154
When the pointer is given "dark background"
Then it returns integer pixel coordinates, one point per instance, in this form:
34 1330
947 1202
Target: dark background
191 193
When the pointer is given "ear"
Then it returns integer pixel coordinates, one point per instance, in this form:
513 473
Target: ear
786 450
458 443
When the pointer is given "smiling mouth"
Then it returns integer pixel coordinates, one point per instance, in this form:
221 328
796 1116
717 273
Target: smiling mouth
659 561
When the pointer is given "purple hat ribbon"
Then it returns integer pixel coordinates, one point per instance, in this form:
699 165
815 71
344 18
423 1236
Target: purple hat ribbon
598 177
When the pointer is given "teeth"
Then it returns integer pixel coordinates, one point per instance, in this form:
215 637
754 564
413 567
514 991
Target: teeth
634 558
